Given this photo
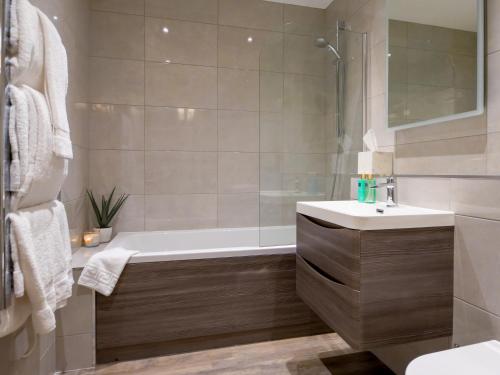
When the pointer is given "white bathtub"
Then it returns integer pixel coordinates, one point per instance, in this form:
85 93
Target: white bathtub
198 244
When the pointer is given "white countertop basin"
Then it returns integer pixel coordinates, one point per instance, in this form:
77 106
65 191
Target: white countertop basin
364 216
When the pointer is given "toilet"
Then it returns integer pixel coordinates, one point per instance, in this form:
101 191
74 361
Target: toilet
477 359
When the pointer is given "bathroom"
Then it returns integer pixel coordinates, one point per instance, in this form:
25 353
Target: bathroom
213 119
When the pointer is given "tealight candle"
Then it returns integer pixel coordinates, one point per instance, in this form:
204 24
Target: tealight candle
91 239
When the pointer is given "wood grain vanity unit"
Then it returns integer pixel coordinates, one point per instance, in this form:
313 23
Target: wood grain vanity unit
377 287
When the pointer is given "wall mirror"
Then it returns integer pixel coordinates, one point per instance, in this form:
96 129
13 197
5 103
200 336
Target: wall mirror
435 61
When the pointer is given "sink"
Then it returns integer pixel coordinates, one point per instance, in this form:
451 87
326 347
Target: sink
364 216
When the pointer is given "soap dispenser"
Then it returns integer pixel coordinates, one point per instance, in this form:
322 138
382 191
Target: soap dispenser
371 191
362 189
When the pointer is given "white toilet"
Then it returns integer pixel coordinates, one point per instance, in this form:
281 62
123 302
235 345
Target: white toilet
477 359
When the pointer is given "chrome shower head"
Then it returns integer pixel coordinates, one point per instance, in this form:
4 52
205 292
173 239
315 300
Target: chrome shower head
323 43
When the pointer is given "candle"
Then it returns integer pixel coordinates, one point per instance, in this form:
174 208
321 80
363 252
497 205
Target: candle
91 239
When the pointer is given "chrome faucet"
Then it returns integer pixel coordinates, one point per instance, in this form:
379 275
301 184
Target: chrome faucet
391 191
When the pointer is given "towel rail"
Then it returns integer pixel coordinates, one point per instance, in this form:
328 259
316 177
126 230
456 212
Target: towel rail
5 260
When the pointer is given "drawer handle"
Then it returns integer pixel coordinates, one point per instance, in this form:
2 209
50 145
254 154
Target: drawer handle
322 223
323 273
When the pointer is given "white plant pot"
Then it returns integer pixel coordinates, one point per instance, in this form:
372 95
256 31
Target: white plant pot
104 234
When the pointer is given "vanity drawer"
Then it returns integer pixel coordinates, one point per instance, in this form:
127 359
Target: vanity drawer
334 249
335 303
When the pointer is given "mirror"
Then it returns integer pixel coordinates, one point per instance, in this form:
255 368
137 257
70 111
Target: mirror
435 61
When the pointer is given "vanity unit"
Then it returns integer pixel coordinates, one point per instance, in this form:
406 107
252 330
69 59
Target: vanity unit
376 278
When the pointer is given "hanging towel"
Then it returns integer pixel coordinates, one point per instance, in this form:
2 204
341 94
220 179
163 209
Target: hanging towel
41 62
56 86
36 173
41 237
26 43
104 269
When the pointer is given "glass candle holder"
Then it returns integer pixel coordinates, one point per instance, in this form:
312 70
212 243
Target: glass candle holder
91 239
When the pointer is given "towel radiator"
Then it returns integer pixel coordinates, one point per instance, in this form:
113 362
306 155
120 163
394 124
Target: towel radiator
5 261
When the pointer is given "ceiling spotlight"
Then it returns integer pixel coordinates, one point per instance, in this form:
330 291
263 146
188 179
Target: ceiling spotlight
165 30
249 39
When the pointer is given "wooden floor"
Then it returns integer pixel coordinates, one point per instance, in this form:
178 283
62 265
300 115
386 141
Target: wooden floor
314 355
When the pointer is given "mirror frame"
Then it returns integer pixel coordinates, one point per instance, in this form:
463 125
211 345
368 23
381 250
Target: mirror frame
481 69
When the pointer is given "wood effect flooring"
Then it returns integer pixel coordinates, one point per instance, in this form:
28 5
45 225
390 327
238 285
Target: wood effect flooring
325 354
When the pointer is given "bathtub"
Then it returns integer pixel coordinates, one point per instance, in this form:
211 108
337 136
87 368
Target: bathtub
190 290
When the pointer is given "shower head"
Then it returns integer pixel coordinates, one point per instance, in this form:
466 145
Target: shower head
323 43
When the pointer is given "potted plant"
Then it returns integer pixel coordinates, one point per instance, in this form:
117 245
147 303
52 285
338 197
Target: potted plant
106 212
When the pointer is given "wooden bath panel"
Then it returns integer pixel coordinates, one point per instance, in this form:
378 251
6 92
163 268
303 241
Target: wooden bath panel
170 307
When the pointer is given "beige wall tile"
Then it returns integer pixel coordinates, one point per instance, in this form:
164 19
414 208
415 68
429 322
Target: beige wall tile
493 157
274 210
255 14
476 197
184 43
131 216
116 35
74 352
493 93
271 132
189 10
238 131
424 192
271 169
177 85
116 127
176 172
476 262
378 63
250 49
304 163
461 156
304 133
472 325
78 175
271 92
116 81
78 117
238 89
238 172
166 212
302 56
493 25
378 121
369 17
119 6
123 169
238 210
304 20
181 129
77 317
304 93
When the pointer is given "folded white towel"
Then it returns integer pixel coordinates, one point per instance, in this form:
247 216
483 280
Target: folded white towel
41 237
26 40
56 86
41 62
104 269
36 173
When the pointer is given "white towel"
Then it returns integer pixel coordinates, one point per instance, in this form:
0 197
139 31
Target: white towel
26 41
104 269
41 237
41 62
56 86
36 173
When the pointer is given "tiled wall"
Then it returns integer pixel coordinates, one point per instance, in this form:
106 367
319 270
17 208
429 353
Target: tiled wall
194 119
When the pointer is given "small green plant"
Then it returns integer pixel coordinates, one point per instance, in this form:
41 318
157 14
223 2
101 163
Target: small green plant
106 212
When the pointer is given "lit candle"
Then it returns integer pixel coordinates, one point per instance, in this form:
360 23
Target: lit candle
91 239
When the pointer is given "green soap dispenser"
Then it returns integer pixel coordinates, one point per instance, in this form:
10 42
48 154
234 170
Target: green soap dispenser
362 189
371 190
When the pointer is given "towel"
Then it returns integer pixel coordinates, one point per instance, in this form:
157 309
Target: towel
14 316
36 173
41 62
56 86
43 251
104 269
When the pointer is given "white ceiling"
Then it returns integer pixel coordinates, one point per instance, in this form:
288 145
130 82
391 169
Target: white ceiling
323 4
454 14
